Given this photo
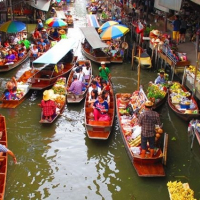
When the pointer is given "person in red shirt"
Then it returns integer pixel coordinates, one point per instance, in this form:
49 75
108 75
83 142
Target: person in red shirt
48 106
36 34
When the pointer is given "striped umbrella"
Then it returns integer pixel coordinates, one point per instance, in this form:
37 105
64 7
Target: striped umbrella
114 32
107 24
55 22
12 26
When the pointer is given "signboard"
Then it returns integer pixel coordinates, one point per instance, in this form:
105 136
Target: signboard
171 4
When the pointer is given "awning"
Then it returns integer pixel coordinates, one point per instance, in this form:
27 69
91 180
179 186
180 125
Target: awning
92 21
196 1
93 38
171 4
57 52
40 4
60 14
157 6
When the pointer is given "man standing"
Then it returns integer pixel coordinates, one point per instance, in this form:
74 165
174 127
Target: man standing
147 120
104 72
3 149
176 28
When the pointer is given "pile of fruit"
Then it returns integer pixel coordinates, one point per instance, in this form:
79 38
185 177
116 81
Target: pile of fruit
156 92
179 190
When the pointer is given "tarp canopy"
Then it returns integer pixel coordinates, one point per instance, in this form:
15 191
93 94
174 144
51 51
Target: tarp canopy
171 4
93 38
196 1
157 6
57 52
40 4
60 14
92 21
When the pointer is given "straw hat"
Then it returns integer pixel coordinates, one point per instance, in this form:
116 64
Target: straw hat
44 29
62 32
149 103
48 94
103 63
125 45
156 32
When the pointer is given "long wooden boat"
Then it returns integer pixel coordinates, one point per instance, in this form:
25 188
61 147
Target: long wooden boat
92 47
5 68
3 158
23 87
48 75
194 128
71 98
99 129
59 89
183 111
147 166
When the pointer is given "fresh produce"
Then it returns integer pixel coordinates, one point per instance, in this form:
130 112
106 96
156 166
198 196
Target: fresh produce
155 92
180 191
135 142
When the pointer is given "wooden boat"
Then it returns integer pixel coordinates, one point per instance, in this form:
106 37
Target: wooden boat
5 68
59 89
71 98
50 72
145 60
4 158
99 129
183 111
23 87
194 129
148 166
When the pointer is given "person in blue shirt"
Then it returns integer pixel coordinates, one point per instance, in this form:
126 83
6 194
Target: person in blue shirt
160 79
176 29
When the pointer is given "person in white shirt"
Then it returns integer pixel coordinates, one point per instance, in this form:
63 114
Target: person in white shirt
94 86
87 71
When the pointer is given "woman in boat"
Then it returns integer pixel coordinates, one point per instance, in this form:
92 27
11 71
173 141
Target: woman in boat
105 86
11 88
48 106
3 149
147 120
92 97
101 109
94 86
34 52
106 95
10 58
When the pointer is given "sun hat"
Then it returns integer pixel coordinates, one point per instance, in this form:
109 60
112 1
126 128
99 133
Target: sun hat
103 63
44 29
48 94
156 32
62 32
148 103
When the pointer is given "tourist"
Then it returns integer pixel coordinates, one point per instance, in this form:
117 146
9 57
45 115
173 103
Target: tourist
11 89
176 28
93 86
147 120
101 109
87 71
10 58
160 79
40 25
104 72
34 51
25 42
76 86
48 106
4 149
92 97
183 28
20 54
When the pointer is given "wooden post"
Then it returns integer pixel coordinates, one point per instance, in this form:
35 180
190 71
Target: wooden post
133 54
173 68
139 69
195 74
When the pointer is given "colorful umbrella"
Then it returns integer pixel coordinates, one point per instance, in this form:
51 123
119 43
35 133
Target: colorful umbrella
55 22
114 32
12 26
107 24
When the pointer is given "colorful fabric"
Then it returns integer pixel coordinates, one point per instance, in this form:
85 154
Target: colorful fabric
147 121
104 73
10 58
48 108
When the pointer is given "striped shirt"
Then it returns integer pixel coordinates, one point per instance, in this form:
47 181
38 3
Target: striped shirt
147 120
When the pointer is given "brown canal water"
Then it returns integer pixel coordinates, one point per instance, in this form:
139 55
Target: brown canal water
59 161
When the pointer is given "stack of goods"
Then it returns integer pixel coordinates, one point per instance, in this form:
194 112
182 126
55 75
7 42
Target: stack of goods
60 91
22 89
179 190
156 92
182 99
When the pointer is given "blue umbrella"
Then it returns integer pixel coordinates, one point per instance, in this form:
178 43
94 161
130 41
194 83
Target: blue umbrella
12 26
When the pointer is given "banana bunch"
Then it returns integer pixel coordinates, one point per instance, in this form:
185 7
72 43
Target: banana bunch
175 86
179 192
135 142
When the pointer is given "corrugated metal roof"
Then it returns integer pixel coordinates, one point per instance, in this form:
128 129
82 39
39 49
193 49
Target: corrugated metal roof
93 38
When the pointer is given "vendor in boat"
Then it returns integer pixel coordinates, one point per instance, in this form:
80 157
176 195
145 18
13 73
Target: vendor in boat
101 109
48 106
3 150
104 72
160 79
148 120
76 86
11 88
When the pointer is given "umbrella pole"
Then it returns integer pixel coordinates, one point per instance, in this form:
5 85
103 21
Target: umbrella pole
139 69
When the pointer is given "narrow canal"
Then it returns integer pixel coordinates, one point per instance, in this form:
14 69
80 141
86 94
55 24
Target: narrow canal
59 161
